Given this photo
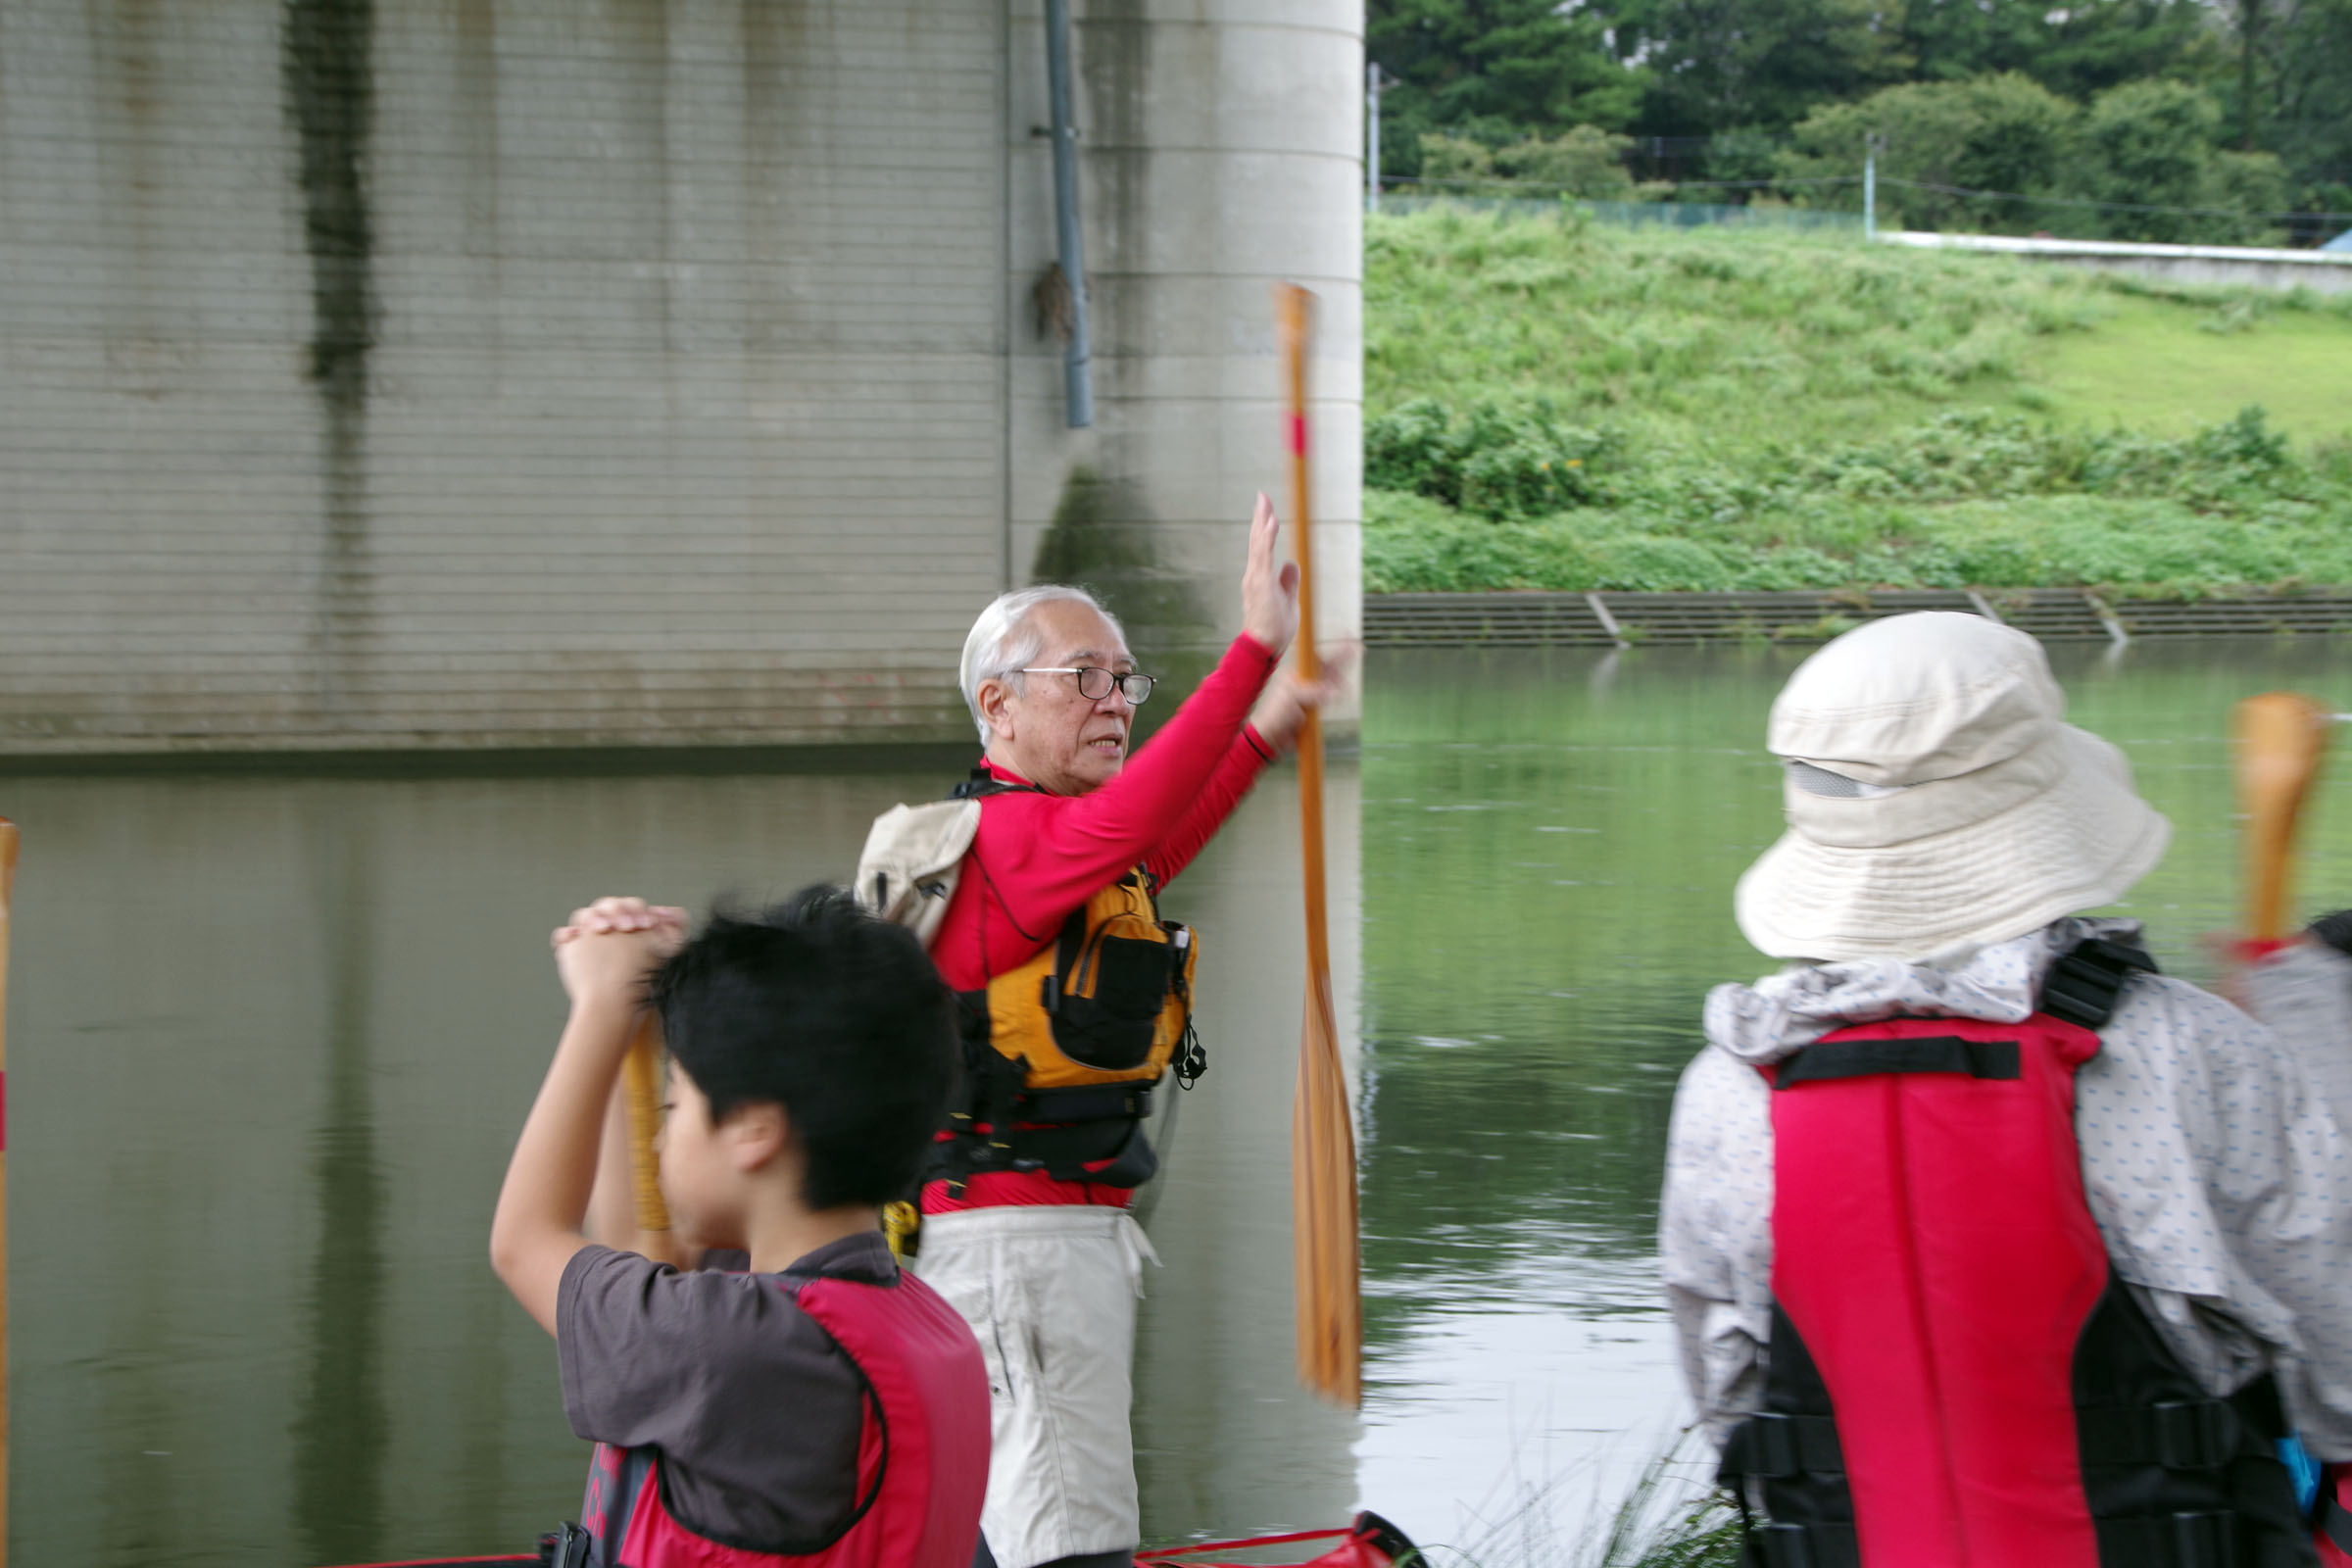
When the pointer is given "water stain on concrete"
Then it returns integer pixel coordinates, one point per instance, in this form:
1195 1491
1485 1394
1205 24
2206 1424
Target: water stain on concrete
327 75
1104 540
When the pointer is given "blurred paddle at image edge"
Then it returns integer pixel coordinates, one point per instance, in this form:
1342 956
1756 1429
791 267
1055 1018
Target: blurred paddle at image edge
2276 741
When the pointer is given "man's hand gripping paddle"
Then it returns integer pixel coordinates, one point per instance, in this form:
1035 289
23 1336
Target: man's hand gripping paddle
1323 1199
2278 738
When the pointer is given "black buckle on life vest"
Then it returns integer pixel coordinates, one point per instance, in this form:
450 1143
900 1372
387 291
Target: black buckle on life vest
566 1546
1772 1447
2330 1518
1087 1103
2177 1434
2083 985
1807 1546
2195 1435
2172 1540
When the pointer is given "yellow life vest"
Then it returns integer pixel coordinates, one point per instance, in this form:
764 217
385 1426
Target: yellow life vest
1061 1052
1107 1002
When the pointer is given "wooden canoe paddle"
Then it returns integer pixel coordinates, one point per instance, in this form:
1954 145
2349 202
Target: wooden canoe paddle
2278 738
641 1072
1323 1197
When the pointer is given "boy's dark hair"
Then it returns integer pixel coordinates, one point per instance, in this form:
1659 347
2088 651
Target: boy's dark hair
2335 929
818 1007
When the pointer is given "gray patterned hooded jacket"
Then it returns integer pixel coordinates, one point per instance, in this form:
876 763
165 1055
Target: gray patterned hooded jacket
2215 1170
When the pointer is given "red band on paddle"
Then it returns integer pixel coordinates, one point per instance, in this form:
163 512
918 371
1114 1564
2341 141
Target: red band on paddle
1298 435
2253 949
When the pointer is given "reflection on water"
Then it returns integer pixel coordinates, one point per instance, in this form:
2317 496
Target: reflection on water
275 1038
339 1428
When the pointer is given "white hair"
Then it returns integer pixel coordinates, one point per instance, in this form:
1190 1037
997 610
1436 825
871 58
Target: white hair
1003 641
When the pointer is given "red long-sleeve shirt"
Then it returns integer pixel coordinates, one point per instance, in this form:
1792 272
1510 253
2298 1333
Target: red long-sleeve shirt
1039 858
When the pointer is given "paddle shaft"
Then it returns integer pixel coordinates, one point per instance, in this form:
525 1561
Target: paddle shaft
641 1072
1295 306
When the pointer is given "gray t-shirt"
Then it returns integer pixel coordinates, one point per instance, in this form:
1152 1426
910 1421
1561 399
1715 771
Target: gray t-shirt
755 1409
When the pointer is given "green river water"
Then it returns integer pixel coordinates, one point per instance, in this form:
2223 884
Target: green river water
272 1037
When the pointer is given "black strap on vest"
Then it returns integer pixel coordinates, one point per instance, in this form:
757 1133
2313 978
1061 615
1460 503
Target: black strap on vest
2179 1435
2330 1518
2082 989
982 784
2083 985
2174 1541
1861 1058
1775 1446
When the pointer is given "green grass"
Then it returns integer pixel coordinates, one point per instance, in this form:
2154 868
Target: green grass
1552 405
2169 365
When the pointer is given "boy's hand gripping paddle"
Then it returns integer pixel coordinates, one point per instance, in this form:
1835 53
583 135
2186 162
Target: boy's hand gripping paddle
2278 739
1323 1199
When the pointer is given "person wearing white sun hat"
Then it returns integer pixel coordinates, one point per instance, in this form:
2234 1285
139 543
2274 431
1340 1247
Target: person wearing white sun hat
1986 1244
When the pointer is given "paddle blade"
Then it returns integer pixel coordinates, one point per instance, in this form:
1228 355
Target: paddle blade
643 1074
1323 1203
2278 737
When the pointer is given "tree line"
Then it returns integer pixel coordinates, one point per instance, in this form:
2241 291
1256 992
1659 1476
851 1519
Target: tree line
2223 114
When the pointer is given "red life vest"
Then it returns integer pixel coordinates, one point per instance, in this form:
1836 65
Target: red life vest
1956 1379
922 1452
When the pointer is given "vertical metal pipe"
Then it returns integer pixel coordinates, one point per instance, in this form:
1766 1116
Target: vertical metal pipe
1870 187
1077 361
1371 137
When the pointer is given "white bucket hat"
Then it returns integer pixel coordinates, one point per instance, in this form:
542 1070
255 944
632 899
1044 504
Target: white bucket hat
1936 801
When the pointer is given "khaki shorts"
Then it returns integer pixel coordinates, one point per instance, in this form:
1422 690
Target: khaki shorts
1051 1293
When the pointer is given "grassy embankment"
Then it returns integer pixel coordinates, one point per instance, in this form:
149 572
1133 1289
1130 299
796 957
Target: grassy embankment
1551 405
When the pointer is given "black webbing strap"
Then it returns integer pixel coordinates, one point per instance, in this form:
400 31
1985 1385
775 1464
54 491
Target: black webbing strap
1861 1058
1087 1103
2082 987
2164 1541
1806 1547
2172 1540
1773 1448
2182 1435
2330 1518
982 784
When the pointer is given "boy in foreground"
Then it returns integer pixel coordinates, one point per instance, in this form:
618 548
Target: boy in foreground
823 1405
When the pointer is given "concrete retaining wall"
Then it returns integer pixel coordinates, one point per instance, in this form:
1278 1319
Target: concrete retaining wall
382 373
1620 619
2245 267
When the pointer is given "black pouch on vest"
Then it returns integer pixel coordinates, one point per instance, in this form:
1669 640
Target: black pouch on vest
1108 1003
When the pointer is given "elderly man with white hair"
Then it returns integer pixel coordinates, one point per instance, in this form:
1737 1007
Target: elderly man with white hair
1077 1001
1989 1246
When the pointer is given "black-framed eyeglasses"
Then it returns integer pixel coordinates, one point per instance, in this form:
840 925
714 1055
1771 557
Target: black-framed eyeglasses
1095 682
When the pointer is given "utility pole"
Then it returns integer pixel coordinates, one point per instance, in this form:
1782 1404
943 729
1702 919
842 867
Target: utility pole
1375 78
1870 184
